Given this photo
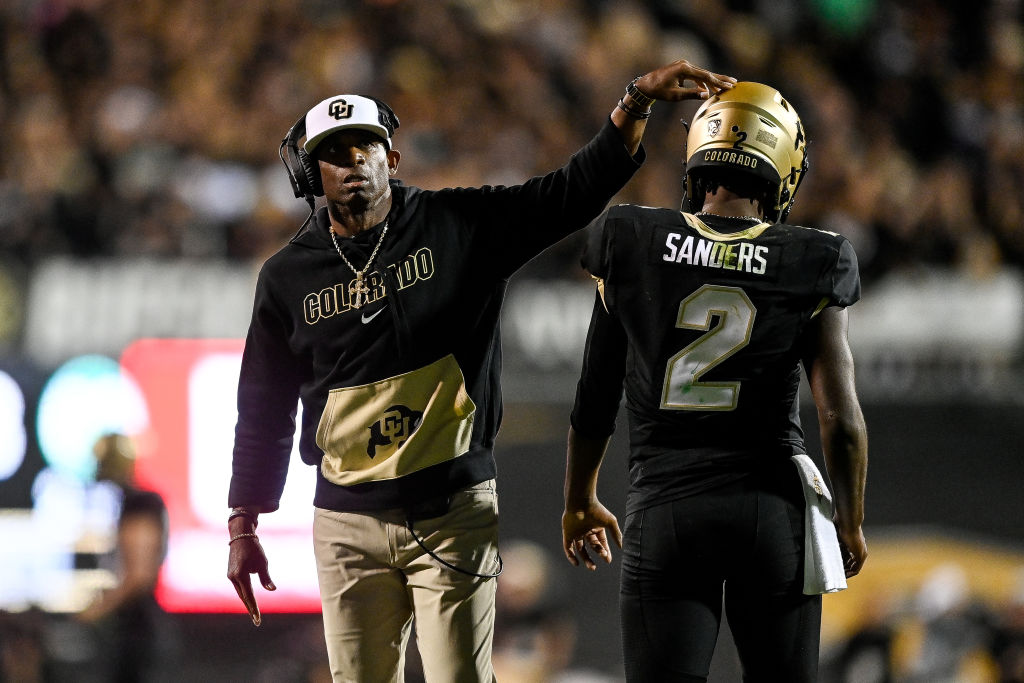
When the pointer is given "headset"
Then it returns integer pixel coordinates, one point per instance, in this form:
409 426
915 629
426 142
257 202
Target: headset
302 171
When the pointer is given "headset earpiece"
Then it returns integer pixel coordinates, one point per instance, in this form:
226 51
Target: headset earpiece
302 170
312 173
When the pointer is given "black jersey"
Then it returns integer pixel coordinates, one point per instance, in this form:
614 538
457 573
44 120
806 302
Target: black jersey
702 330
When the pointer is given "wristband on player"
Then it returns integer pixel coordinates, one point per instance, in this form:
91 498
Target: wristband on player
244 512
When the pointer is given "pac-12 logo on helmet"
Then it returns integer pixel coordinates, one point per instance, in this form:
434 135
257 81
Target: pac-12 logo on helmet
340 109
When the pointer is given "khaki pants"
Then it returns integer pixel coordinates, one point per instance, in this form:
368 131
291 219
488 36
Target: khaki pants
374 578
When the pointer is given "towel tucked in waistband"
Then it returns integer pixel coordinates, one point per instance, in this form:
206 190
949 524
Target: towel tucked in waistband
823 561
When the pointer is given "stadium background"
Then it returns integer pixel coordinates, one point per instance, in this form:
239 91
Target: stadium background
140 189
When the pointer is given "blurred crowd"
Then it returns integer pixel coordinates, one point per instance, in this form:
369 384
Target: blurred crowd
941 631
151 127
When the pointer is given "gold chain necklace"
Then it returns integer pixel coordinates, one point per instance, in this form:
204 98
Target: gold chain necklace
358 289
718 215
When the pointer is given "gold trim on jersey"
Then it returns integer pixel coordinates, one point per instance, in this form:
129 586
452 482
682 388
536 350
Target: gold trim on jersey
822 305
700 226
396 426
600 290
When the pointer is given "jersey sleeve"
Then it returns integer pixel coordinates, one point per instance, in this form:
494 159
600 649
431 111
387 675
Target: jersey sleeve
599 390
845 277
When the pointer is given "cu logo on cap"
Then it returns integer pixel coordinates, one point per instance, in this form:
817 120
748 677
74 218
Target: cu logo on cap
340 109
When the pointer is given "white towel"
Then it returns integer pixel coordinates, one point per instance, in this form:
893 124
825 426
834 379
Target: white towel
823 562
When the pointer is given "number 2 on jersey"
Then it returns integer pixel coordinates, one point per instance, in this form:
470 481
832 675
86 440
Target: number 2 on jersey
683 389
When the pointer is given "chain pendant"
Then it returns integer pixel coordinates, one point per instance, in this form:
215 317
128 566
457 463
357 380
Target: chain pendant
357 290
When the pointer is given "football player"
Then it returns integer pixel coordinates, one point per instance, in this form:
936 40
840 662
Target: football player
703 318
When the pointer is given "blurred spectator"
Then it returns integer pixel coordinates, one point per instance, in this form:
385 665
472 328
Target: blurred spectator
535 629
132 629
150 127
23 655
866 656
954 630
1008 637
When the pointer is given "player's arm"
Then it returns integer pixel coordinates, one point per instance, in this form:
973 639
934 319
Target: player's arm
585 521
830 372
666 83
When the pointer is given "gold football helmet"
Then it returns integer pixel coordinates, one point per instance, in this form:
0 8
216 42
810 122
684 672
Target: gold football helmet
752 130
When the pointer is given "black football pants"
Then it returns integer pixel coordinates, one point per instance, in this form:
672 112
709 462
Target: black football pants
745 539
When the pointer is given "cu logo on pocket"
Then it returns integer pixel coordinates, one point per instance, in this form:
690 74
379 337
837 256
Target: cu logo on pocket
393 428
340 109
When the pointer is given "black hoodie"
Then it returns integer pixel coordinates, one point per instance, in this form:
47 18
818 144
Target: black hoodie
401 398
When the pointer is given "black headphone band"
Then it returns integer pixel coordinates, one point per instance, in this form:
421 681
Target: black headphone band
288 152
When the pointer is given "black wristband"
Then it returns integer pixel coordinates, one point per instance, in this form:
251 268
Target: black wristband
242 512
633 112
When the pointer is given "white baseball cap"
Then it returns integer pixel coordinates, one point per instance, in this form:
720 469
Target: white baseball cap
346 111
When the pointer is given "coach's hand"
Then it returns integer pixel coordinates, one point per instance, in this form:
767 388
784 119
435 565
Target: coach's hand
246 557
669 82
589 526
673 82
